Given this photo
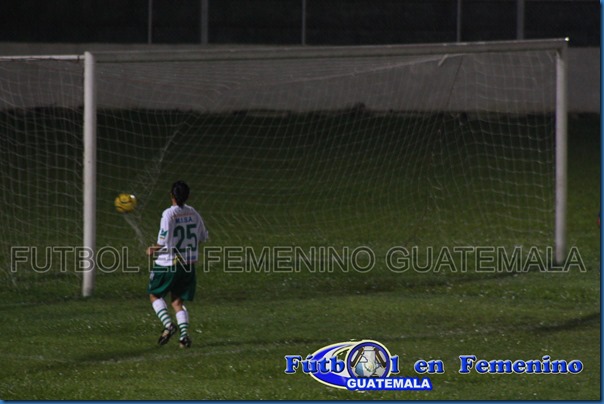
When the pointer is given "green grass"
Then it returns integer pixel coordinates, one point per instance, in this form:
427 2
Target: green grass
56 345
104 348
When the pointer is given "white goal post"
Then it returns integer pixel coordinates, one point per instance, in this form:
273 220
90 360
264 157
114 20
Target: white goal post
315 138
89 168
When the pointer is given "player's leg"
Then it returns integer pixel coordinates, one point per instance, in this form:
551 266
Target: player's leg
159 285
182 319
183 290
161 309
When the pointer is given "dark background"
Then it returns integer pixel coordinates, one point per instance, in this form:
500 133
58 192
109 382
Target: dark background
328 22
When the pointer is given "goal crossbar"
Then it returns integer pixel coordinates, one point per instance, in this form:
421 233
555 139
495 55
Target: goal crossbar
332 52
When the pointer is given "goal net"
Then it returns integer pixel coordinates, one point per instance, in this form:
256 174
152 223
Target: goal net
447 145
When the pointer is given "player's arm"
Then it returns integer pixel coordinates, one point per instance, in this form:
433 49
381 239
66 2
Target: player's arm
151 250
202 232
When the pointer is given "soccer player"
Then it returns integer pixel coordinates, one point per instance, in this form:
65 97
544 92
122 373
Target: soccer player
176 251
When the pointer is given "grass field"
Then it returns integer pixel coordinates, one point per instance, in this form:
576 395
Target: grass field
57 345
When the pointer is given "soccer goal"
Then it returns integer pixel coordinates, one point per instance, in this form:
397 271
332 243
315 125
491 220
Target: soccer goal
431 145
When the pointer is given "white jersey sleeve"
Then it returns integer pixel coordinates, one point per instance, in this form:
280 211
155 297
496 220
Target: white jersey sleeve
164 236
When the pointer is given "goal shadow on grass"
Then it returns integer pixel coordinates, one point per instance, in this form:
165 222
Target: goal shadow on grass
116 355
573 323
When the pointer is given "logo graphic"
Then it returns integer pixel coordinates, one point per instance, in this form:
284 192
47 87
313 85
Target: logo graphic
368 359
355 365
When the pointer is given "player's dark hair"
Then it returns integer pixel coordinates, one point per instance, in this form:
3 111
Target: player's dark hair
180 192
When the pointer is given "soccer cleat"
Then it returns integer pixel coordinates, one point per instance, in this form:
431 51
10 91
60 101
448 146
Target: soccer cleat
185 342
166 335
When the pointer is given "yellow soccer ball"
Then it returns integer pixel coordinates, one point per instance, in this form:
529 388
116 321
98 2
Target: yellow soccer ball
125 203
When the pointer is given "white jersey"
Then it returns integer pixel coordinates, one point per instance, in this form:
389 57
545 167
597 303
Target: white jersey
181 230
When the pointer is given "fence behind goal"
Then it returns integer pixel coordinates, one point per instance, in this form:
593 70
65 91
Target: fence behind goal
438 145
